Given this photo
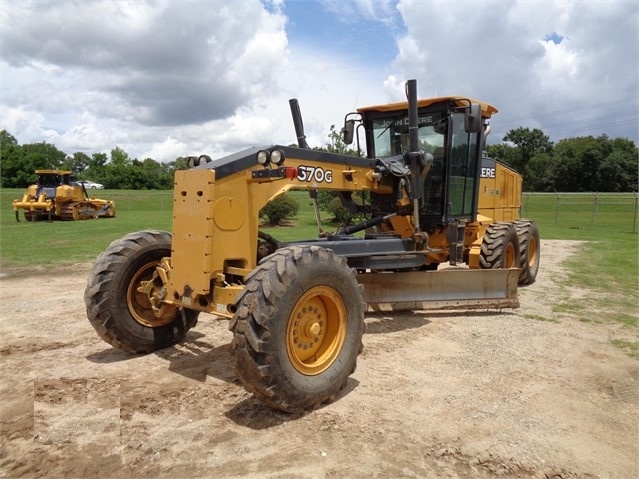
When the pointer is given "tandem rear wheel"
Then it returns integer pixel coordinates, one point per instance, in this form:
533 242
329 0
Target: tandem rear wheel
529 249
512 245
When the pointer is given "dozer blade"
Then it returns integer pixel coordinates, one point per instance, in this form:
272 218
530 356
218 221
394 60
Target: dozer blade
443 289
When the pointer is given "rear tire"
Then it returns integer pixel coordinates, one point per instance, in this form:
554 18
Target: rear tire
500 247
298 328
529 249
121 315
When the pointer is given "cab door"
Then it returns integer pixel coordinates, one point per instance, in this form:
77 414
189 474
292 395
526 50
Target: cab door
462 172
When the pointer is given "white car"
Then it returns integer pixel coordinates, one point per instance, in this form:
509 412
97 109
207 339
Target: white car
90 185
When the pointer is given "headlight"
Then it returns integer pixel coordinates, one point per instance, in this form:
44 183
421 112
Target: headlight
262 157
277 157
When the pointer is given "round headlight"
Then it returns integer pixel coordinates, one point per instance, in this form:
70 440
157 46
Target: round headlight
262 157
277 157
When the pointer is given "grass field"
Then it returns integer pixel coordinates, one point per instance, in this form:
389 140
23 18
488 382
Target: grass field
612 221
609 224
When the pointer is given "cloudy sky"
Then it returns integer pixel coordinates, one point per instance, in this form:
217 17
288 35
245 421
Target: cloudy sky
168 78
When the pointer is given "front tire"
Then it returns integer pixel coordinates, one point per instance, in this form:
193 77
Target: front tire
122 315
500 247
298 328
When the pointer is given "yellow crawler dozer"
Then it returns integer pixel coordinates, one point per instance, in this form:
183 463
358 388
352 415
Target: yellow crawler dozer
54 197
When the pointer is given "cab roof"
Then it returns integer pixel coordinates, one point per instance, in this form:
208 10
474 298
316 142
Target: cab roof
487 110
52 172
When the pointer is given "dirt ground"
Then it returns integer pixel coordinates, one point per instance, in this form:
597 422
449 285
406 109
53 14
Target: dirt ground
524 393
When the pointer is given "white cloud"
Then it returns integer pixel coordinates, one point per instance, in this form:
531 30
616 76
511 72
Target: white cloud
159 63
164 79
167 150
22 119
496 51
560 64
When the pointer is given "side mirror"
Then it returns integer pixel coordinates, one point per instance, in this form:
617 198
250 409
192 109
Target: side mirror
348 131
472 118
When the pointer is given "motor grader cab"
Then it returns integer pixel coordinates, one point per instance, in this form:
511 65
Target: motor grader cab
54 196
297 308
469 204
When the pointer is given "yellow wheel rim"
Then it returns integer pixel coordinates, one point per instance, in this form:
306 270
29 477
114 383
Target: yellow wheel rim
138 302
316 330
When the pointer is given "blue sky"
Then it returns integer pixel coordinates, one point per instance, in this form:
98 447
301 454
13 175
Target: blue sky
169 78
344 32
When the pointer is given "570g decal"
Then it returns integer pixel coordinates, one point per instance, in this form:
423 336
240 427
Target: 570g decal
314 173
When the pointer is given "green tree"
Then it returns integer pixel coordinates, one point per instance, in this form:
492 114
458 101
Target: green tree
528 143
595 164
341 215
540 173
119 172
11 164
152 174
504 152
96 169
77 163
280 208
619 170
18 163
328 200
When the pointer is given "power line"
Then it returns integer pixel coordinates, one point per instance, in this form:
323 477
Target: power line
562 125
594 129
577 108
595 118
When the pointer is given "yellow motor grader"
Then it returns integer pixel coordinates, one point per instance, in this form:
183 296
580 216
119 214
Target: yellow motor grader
441 230
55 197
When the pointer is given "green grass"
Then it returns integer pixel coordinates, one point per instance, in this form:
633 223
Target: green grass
577 215
629 347
538 317
608 262
25 245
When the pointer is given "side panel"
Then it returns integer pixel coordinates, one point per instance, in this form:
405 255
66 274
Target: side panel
192 244
499 191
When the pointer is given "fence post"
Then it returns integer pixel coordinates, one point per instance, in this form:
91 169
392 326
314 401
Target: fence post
557 209
634 216
595 209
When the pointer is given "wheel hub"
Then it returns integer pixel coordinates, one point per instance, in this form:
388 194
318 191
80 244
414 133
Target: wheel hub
144 298
316 330
308 325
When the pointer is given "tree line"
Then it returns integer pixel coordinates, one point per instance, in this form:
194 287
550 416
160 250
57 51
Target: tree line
574 164
114 171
